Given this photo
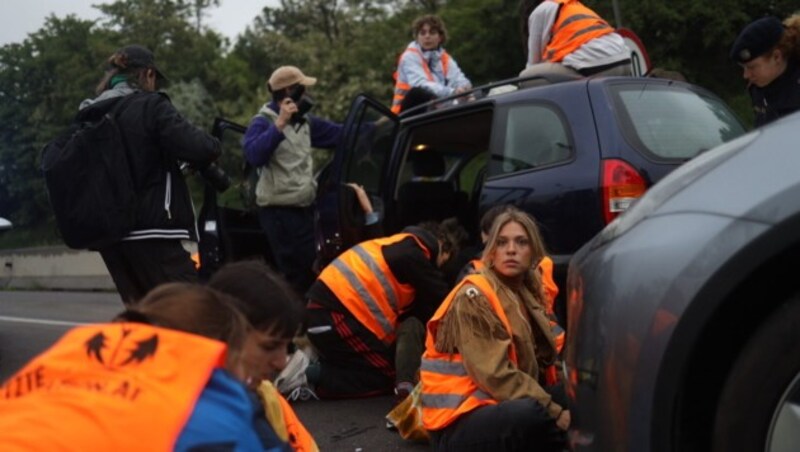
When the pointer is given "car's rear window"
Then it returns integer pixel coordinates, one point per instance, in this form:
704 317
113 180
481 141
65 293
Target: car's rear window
673 122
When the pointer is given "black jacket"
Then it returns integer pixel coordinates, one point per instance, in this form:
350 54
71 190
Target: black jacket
779 98
157 139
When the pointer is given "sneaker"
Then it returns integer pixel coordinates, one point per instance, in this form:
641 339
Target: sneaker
294 374
302 393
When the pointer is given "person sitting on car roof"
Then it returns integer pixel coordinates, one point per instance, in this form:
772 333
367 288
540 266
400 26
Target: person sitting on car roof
484 347
769 53
425 65
367 309
566 37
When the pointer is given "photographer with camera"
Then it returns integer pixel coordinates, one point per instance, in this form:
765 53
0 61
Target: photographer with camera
278 142
155 139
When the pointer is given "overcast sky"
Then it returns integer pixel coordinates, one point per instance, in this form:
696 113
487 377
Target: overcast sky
18 18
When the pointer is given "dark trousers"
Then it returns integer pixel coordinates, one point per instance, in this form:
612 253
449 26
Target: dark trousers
137 266
354 362
513 425
290 233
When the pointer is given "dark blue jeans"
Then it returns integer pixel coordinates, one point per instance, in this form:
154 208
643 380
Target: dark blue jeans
290 232
513 425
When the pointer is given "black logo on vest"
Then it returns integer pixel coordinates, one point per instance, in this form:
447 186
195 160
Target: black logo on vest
143 349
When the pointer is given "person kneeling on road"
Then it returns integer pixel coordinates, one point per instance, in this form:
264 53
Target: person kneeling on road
367 309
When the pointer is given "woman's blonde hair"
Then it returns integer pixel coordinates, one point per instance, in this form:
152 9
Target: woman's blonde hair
532 279
789 44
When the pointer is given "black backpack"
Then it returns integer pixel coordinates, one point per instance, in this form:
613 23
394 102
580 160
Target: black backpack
90 183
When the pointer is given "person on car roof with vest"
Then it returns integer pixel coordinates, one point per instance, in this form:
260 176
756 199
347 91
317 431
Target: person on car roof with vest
278 142
367 309
484 348
425 65
167 375
566 37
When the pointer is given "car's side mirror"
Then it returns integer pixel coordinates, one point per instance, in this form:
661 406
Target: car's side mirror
5 224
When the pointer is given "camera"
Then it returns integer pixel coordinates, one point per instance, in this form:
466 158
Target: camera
212 173
304 104
216 176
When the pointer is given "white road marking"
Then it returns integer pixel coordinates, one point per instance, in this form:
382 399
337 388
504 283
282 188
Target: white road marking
39 321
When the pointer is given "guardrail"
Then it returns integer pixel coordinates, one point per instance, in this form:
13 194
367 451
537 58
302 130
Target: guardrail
56 268
53 268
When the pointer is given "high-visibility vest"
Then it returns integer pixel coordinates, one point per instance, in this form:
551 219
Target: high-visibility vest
362 281
447 389
575 26
283 419
550 292
108 387
402 87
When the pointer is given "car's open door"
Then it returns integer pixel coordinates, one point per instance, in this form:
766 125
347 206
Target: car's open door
228 221
361 158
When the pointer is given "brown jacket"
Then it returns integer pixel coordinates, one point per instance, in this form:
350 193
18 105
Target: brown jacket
478 334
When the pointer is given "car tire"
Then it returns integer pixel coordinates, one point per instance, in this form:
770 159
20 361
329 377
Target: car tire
760 386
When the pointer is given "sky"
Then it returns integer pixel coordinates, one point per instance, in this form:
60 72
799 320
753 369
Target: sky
18 18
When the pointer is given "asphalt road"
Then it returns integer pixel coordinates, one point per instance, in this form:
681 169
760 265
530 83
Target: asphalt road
31 321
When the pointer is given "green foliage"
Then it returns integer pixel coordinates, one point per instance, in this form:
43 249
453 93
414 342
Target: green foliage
351 46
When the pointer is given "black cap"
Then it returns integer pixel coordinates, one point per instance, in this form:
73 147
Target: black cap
756 39
136 56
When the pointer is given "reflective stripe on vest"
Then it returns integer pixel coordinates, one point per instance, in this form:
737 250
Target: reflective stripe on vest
447 389
362 281
575 26
108 387
402 87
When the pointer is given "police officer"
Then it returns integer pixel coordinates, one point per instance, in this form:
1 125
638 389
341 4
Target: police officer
769 51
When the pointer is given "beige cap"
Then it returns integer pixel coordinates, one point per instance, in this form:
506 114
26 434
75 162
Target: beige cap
286 76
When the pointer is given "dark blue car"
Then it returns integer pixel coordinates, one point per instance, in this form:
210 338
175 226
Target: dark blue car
572 152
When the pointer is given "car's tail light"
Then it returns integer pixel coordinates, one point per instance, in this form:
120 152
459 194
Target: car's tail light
621 185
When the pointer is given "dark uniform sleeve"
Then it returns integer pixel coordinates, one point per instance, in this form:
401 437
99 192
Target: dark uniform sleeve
410 265
179 138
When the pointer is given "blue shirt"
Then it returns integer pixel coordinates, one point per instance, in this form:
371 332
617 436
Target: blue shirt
227 417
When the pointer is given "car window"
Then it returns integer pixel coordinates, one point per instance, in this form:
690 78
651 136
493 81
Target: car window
669 122
535 136
373 143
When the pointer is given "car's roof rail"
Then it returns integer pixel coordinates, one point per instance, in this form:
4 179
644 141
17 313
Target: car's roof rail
485 90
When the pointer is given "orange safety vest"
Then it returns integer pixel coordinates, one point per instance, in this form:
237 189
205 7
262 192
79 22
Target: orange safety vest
447 389
362 281
550 292
402 87
283 419
108 387
575 26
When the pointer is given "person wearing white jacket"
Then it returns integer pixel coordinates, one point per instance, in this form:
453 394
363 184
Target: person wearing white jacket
426 65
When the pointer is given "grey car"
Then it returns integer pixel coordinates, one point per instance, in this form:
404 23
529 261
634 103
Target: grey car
684 313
